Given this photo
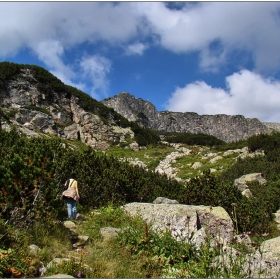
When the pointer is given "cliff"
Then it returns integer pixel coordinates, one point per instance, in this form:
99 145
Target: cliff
226 127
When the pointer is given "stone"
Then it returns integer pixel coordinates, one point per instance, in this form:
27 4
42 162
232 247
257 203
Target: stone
34 248
164 200
82 241
69 224
60 276
196 165
215 159
109 232
242 181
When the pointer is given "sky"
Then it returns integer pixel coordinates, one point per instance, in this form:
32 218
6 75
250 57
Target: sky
204 57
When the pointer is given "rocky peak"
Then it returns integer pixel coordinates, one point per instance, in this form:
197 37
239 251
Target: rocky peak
132 108
226 127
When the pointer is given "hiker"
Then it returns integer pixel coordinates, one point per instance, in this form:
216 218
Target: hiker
72 196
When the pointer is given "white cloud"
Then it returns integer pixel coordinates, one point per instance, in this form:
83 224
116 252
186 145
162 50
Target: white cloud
247 94
253 26
137 48
96 68
71 23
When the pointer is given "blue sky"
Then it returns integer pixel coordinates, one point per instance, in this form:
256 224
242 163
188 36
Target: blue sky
204 57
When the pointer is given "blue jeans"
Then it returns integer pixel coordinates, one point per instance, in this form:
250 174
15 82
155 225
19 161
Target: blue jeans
71 207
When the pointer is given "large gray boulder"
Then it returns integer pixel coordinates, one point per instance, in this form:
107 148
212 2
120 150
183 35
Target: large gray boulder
184 220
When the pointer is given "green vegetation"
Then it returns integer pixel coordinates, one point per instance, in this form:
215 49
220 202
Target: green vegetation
137 251
192 138
33 171
32 174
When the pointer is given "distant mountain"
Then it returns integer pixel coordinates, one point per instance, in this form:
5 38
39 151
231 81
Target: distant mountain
226 127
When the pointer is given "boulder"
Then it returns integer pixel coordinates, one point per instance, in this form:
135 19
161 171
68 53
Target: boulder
242 186
184 220
196 165
109 232
215 159
69 224
82 241
34 248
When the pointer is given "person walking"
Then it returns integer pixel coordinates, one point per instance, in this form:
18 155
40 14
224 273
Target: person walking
72 196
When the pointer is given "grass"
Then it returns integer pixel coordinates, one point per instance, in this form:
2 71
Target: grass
137 251
153 154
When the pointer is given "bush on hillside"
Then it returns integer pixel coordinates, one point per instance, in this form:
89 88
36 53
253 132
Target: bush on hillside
192 139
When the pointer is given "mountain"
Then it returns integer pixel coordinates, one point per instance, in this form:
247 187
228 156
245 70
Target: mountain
35 101
226 127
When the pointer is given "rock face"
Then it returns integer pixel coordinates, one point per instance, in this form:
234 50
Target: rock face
59 114
225 127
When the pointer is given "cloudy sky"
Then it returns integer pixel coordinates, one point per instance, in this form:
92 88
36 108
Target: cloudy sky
204 57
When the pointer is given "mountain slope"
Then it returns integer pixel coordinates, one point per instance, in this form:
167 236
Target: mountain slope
225 127
38 102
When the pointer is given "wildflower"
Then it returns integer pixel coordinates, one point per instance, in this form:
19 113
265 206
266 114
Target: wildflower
79 275
265 234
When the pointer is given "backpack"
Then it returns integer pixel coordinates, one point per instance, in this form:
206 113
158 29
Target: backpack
67 184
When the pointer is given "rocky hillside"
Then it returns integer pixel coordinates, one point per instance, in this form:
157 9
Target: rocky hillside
225 127
37 102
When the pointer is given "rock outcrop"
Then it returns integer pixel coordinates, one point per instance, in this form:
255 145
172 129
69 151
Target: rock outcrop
184 221
225 127
55 113
195 224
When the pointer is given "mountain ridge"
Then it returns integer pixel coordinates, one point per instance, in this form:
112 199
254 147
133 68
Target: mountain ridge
225 127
